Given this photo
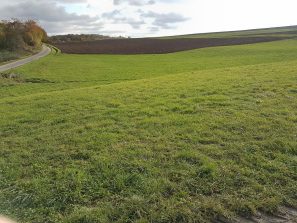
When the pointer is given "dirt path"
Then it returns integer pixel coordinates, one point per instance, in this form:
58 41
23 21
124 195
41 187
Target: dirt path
44 52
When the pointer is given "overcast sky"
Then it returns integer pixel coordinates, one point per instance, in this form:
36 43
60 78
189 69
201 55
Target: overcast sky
137 18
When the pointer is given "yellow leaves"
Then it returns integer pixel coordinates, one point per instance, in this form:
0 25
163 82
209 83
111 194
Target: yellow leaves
16 34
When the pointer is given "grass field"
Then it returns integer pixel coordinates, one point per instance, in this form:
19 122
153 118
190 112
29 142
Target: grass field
186 137
287 31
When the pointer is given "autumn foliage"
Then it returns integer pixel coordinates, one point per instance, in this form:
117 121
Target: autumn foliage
19 35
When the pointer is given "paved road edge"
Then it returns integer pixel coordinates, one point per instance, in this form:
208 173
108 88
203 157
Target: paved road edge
44 52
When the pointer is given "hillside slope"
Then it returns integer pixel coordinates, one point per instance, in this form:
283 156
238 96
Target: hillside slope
286 31
195 136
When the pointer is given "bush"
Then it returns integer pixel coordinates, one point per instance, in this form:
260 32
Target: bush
2 35
18 35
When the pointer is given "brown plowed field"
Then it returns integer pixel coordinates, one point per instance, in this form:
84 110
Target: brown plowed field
153 46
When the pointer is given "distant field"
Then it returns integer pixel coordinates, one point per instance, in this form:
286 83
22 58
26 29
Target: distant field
153 46
194 136
173 44
287 32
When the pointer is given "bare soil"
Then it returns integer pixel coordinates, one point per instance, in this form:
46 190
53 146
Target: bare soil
153 46
284 215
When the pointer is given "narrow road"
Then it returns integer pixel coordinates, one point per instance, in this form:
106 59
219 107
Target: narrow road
44 52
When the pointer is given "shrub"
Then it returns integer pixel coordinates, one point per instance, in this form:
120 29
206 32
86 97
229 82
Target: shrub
15 35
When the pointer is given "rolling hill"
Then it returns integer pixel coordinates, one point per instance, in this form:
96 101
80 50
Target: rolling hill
205 135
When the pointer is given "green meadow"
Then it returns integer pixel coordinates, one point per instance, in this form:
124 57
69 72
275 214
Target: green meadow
194 136
285 32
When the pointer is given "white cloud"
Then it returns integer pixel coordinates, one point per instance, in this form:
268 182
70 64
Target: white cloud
157 17
134 2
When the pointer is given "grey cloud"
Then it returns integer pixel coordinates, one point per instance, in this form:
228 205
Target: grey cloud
51 14
112 14
154 29
52 17
42 11
14 2
153 19
71 27
70 1
134 2
164 20
117 17
143 2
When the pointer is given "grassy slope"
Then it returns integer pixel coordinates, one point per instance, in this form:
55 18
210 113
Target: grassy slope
72 71
163 138
7 56
289 31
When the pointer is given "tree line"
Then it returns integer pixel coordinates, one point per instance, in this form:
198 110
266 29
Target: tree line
21 35
79 38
